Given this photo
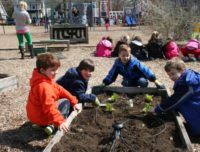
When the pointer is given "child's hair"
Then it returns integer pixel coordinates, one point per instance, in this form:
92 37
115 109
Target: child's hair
176 64
86 64
124 47
170 38
109 39
46 60
154 36
137 38
125 39
23 5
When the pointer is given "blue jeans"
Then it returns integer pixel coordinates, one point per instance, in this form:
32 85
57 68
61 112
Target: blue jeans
64 107
141 82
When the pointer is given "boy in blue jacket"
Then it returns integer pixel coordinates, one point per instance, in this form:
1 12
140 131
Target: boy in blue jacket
186 96
133 71
76 80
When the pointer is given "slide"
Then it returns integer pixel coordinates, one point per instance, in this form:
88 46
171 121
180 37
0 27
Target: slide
130 20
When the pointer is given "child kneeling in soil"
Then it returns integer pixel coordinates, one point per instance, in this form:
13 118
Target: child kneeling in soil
133 71
44 109
76 81
186 96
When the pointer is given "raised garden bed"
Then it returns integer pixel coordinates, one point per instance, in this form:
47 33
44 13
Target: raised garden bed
8 82
93 129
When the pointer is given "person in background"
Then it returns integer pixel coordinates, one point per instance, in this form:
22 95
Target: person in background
107 23
48 103
192 47
138 49
123 40
155 46
22 19
133 71
76 81
170 49
104 47
186 96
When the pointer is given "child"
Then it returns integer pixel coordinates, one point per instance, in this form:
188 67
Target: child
123 40
107 23
138 49
186 96
22 19
192 47
155 46
104 47
133 71
170 49
43 107
76 81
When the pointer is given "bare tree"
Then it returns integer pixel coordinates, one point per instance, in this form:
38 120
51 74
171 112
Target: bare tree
172 18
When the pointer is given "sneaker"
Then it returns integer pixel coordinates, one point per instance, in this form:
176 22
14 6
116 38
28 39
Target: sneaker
198 58
186 59
49 130
192 59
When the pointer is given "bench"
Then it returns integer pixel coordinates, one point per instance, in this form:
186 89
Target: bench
47 44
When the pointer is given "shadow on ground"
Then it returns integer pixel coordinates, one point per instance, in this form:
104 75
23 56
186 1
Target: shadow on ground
24 138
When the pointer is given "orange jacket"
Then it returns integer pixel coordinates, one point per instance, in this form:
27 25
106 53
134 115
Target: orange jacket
42 105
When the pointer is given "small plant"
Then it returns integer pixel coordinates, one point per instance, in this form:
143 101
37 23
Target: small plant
109 107
147 107
149 97
113 98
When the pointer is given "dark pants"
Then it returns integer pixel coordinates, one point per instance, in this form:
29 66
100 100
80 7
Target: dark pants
64 107
141 82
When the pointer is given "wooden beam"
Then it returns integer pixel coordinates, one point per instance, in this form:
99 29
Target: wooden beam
60 133
182 130
8 83
128 90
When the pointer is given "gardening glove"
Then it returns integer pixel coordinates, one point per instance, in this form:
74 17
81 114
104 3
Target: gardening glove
152 110
159 85
89 91
97 102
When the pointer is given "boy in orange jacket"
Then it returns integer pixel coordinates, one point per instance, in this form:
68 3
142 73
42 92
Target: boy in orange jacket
44 107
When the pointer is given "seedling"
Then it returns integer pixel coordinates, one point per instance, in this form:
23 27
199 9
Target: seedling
147 107
149 97
109 107
113 98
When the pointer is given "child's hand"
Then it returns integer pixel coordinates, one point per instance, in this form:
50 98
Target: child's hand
64 127
76 107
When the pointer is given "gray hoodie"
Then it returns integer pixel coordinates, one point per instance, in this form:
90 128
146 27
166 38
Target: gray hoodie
22 19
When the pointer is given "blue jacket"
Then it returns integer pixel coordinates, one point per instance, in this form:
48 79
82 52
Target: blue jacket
76 85
134 70
186 99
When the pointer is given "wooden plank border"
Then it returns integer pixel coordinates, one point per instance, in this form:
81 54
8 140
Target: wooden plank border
182 130
60 133
8 83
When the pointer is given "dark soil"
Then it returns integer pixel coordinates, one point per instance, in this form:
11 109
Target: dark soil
92 131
